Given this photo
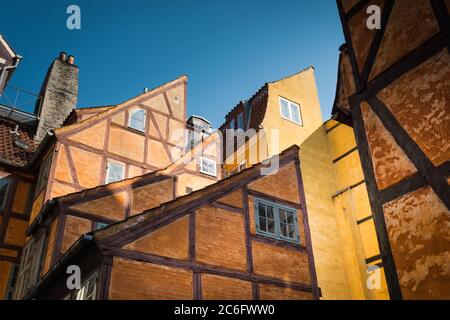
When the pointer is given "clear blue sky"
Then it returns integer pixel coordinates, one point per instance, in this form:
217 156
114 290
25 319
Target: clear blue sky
229 49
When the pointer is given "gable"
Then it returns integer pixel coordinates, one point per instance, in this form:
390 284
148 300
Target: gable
170 241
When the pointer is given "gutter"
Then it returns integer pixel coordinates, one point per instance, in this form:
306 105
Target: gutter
75 249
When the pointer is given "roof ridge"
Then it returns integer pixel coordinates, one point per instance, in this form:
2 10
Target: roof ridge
68 128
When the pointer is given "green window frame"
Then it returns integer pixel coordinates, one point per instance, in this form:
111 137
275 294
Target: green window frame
276 221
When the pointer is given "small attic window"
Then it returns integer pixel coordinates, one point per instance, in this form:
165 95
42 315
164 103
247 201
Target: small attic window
290 111
208 166
137 120
115 171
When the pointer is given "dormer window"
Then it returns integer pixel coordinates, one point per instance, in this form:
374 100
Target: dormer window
240 121
137 120
290 111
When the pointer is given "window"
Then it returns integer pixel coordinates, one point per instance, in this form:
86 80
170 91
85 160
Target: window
30 265
240 121
290 111
43 175
137 120
232 124
115 171
276 221
12 282
4 187
100 225
208 166
88 290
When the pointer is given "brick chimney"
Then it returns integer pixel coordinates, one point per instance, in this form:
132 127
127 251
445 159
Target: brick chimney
59 94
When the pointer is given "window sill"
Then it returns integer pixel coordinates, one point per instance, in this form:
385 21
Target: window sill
292 244
297 123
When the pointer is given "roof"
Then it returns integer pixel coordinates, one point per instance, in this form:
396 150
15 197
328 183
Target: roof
103 190
183 204
158 216
257 114
84 123
10 152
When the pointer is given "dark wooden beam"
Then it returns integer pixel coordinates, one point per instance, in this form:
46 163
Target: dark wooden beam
226 207
373 51
307 230
364 219
104 278
345 154
351 51
375 203
405 186
248 240
361 4
441 12
422 53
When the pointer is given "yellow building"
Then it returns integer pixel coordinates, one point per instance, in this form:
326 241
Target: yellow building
344 241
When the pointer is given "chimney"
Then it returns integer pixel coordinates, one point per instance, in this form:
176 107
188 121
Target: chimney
59 94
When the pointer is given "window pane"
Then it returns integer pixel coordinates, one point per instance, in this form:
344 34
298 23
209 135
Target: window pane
137 120
271 226
295 113
284 108
115 172
289 217
262 223
208 166
282 215
240 121
284 229
3 191
270 212
261 210
291 231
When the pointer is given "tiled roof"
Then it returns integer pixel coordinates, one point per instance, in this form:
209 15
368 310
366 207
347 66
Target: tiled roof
10 153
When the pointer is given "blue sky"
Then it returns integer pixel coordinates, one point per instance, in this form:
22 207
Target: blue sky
229 49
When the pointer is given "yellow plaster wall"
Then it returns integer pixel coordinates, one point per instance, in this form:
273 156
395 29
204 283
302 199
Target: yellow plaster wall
359 239
319 185
301 89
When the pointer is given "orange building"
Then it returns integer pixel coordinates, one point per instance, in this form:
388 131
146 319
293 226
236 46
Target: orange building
110 168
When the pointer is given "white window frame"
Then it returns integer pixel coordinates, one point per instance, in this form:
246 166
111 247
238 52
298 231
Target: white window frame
214 166
145 120
81 293
108 165
290 103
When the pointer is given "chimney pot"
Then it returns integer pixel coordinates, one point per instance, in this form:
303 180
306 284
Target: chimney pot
145 90
71 60
62 56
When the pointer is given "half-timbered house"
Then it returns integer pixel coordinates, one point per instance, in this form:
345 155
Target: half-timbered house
393 87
